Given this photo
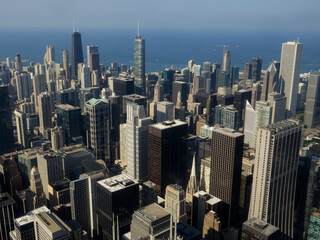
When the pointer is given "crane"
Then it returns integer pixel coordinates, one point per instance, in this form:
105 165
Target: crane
223 46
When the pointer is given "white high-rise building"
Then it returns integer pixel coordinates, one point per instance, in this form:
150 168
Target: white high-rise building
56 138
50 55
275 174
226 60
24 85
136 144
22 130
165 111
84 75
291 57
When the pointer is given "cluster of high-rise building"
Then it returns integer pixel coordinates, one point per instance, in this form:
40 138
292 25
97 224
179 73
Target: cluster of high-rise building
205 152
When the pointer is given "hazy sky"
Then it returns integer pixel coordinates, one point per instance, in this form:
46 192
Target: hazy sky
161 14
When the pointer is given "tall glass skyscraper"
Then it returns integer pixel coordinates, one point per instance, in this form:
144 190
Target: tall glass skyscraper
139 64
77 55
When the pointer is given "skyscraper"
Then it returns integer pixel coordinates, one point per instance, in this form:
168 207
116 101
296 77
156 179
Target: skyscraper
312 111
139 64
90 50
175 202
6 215
39 86
45 101
24 85
77 55
256 69
66 67
117 199
165 111
167 149
6 130
84 75
275 174
291 58
226 162
99 125
50 169
18 63
270 81
136 146
226 61
80 203
247 71
50 55
22 131
69 118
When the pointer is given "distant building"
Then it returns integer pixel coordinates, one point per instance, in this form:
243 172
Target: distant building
291 58
77 55
24 85
226 61
256 69
312 110
139 64
165 111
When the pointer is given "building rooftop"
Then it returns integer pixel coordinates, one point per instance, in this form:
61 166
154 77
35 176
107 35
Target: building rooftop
6 199
168 124
283 125
66 107
165 103
47 220
117 182
227 131
134 96
95 101
152 212
259 227
30 216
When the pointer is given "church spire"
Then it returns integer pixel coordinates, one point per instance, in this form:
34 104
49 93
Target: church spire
192 187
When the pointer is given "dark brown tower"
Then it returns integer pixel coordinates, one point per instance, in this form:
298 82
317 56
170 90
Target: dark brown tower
167 154
226 164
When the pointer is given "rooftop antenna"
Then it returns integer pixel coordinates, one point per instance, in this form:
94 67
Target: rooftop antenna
298 39
138 28
77 24
73 26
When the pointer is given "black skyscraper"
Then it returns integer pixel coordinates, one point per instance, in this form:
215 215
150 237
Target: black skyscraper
6 131
77 56
167 159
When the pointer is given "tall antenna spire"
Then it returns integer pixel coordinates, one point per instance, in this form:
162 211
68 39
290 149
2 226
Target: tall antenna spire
138 28
73 26
77 24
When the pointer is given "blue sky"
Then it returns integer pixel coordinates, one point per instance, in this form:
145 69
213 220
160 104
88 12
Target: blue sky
162 14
